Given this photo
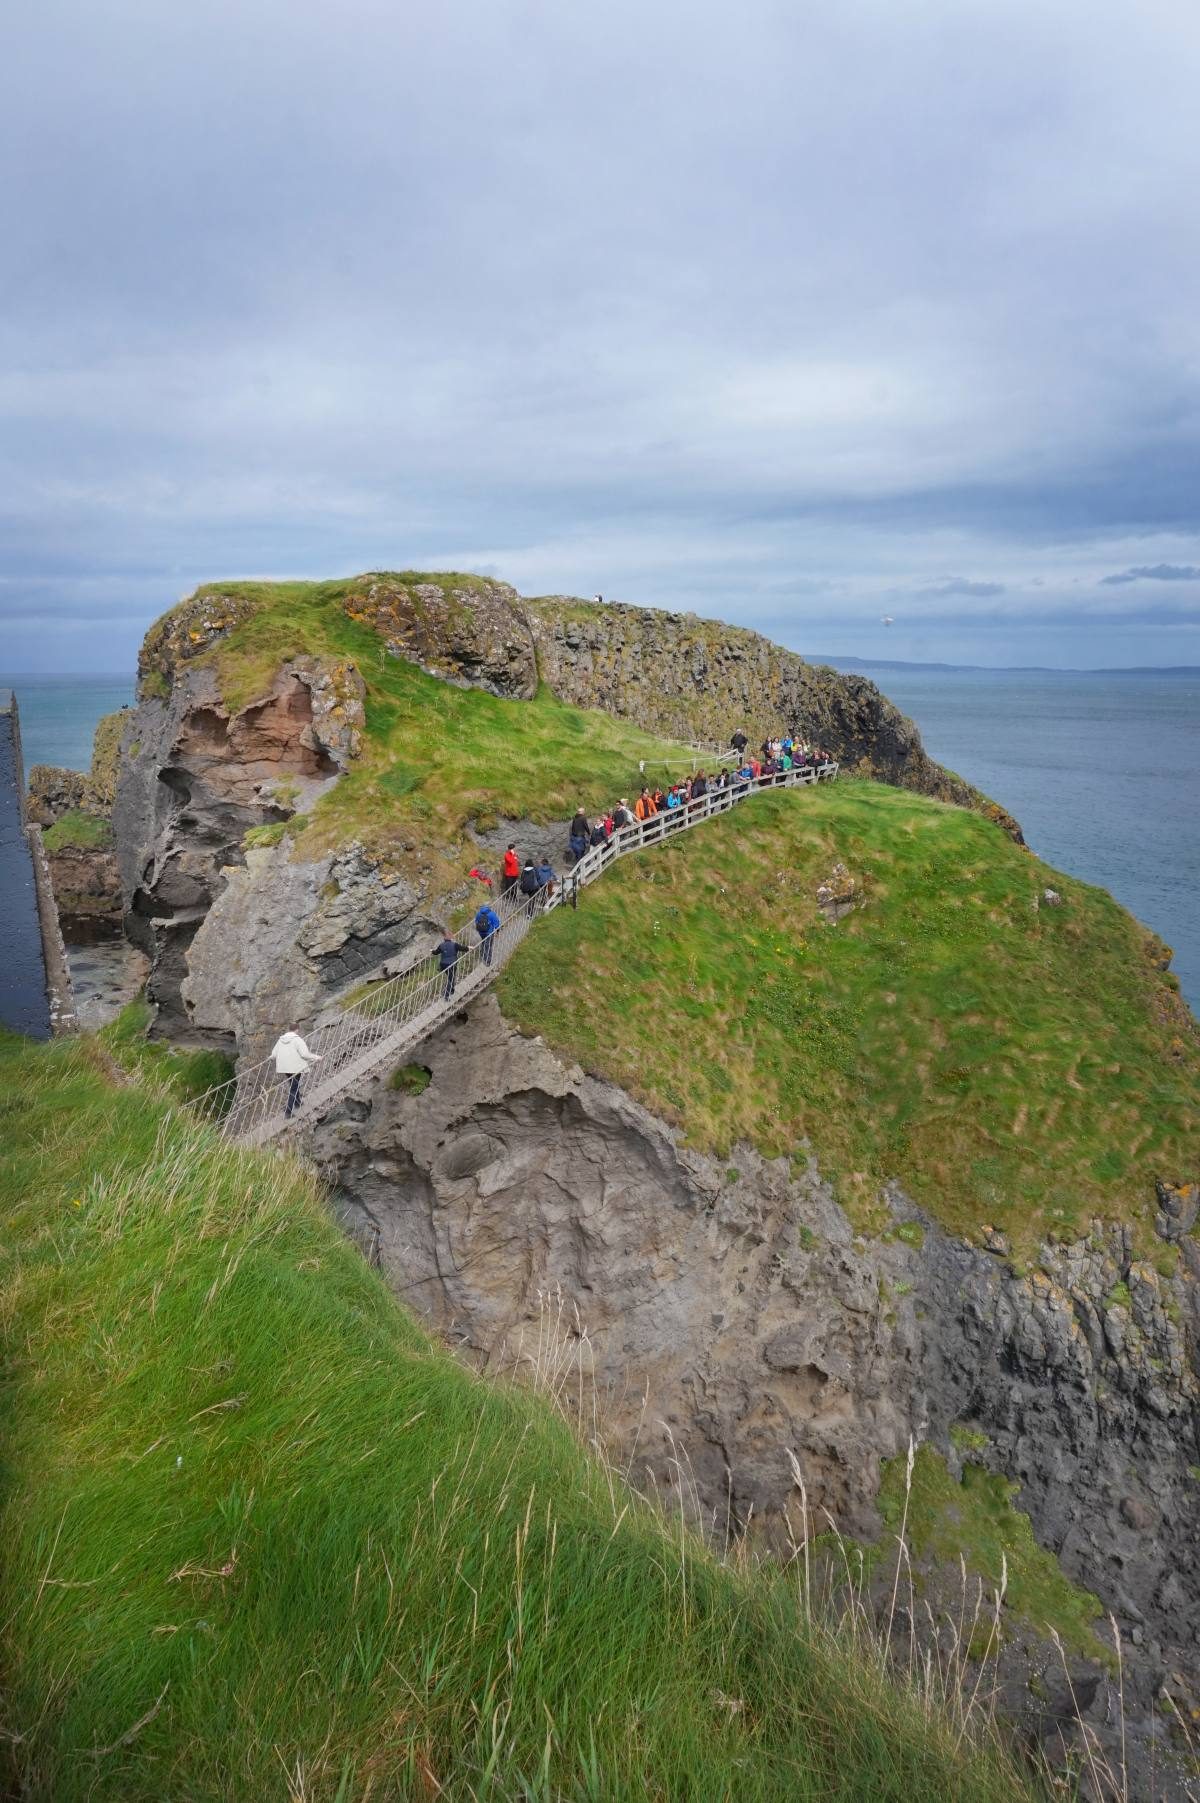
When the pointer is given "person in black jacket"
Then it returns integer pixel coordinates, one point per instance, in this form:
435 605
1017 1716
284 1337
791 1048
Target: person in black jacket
578 835
447 956
739 742
529 882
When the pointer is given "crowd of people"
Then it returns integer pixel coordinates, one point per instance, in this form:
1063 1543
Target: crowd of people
524 881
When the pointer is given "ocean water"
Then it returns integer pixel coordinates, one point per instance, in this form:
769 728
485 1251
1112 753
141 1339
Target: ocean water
1101 768
59 714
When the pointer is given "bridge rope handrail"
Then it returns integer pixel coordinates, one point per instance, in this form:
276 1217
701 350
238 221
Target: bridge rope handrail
252 1105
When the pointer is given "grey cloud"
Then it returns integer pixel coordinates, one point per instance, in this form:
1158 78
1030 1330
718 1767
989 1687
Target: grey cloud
958 585
1154 572
581 295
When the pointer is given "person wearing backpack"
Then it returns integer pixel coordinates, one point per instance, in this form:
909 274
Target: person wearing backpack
487 922
545 881
447 956
529 882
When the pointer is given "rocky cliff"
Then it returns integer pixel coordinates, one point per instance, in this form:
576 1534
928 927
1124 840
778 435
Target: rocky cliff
733 1315
197 775
727 1317
694 678
255 698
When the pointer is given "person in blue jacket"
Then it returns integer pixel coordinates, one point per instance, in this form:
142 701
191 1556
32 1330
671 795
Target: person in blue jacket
447 956
545 880
487 922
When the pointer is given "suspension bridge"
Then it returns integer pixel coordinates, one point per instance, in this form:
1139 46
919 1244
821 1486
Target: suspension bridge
389 1020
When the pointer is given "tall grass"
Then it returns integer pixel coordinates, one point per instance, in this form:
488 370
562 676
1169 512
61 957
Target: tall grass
264 1539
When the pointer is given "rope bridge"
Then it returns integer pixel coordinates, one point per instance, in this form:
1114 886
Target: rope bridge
393 1019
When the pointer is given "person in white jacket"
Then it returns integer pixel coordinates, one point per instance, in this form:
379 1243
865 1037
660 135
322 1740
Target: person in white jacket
292 1058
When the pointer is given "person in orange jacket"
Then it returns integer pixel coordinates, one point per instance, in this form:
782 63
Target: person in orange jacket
644 808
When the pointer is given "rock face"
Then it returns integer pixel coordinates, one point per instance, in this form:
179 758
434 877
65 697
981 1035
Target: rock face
470 632
87 891
691 678
282 935
732 1318
195 777
1085 1376
733 1294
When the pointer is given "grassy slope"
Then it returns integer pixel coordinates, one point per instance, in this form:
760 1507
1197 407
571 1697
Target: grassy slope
263 1539
435 757
1011 1065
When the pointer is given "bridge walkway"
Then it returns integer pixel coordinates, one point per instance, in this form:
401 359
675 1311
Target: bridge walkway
392 1020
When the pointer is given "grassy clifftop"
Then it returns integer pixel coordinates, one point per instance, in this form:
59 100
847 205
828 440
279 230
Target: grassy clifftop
262 1538
523 708
1010 1062
436 757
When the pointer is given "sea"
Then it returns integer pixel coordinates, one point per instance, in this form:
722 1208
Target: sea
1102 768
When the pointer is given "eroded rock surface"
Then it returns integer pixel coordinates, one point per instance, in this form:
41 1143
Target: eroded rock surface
282 936
195 777
474 633
734 1294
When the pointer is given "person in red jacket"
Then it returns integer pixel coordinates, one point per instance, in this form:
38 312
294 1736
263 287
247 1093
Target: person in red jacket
510 870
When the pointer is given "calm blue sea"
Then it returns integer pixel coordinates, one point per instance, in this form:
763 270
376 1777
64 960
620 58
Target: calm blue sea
1101 768
59 714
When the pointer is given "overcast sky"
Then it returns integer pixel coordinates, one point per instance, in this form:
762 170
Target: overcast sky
796 314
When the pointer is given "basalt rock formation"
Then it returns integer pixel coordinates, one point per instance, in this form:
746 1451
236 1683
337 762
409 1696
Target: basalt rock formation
729 1318
474 633
735 1297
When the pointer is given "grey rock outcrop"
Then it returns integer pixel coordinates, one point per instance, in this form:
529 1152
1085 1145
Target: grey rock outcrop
735 1295
195 776
466 630
282 935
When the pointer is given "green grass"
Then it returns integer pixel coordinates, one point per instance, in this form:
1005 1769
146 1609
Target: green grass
88 832
975 1519
182 1075
1021 1067
263 1539
411 1079
435 758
